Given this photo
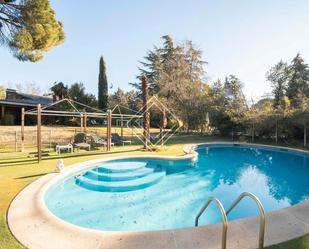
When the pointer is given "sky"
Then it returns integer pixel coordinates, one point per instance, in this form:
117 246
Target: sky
241 37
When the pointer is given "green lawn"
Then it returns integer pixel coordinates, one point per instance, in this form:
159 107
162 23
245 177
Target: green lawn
18 170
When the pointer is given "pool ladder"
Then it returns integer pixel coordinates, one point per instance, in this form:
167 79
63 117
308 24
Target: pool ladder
224 215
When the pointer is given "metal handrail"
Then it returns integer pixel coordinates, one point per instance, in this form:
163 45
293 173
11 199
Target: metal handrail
262 214
223 215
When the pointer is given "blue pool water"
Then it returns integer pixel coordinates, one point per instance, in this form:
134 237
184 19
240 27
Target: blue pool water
142 195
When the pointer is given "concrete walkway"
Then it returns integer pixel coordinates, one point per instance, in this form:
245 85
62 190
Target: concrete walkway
37 228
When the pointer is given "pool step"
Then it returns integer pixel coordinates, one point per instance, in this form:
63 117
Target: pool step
120 167
122 176
121 186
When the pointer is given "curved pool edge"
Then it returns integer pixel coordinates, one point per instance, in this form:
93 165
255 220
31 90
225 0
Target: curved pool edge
35 226
265 146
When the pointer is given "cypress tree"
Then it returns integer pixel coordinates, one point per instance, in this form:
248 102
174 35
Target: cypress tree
103 88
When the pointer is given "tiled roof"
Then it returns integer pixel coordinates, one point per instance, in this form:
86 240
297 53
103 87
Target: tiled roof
28 100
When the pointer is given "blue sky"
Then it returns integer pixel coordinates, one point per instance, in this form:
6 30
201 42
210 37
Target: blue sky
241 37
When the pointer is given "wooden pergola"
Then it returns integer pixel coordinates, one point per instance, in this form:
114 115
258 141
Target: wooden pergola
76 112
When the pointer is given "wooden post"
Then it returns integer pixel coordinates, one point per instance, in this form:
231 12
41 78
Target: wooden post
146 116
305 133
108 130
85 122
121 120
38 129
81 122
16 141
22 131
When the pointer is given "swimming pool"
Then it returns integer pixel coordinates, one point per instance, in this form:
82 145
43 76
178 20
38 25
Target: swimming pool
147 194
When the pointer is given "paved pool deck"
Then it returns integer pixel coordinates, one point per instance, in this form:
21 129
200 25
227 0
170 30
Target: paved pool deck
37 228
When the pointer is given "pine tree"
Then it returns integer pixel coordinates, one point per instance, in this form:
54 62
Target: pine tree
29 28
154 61
298 85
102 86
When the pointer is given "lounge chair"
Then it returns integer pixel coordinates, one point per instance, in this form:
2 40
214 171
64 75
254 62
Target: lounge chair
80 141
116 139
97 141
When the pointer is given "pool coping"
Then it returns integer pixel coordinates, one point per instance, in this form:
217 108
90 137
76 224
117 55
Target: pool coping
35 226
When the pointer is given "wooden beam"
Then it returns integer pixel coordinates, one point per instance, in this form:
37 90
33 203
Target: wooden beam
110 130
85 122
39 137
81 122
22 129
121 121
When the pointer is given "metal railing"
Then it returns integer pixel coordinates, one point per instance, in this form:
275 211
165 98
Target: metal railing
262 214
223 216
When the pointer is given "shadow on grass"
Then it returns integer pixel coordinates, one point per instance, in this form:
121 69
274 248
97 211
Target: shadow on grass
32 160
30 176
17 162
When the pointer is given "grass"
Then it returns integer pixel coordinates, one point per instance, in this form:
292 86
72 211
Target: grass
17 170
300 243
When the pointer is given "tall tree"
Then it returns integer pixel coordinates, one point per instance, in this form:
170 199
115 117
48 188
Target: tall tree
180 80
154 62
235 104
78 93
59 91
298 85
29 28
278 76
128 101
102 86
